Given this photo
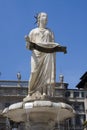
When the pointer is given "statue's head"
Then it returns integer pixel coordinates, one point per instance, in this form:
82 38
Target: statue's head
42 19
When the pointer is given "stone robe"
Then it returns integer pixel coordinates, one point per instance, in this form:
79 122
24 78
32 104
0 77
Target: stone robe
42 64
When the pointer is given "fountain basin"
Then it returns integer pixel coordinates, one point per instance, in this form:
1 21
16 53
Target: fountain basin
38 111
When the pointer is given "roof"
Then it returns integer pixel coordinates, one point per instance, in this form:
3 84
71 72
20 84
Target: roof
84 75
83 81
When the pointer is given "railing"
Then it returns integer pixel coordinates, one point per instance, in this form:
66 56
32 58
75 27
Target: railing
13 88
14 93
8 83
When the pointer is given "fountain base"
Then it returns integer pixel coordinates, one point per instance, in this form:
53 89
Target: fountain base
39 114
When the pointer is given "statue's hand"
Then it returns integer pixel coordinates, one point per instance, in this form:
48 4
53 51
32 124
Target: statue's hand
26 38
29 45
65 50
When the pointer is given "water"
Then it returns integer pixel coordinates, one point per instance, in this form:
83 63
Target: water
8 126
27 124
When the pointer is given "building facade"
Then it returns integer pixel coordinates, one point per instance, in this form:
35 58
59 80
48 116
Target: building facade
14 91
10 92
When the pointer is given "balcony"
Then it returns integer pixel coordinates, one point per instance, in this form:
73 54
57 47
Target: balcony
13 83
13 88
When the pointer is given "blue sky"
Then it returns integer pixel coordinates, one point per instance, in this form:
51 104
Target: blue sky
66 18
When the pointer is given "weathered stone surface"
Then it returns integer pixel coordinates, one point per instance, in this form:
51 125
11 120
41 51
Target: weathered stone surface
38 111
43 64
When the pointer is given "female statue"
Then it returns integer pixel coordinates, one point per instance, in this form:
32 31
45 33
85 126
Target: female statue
42 62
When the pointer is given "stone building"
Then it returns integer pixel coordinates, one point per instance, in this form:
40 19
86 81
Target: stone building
10 92
14 91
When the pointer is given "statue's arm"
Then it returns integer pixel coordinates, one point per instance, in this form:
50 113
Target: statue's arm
28 43
61 49
58 48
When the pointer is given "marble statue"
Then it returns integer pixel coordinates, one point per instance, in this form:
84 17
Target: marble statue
42 43
38 110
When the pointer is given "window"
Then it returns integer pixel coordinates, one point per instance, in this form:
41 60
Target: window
76 94
79 106
76 107
82 94
67 94
78 120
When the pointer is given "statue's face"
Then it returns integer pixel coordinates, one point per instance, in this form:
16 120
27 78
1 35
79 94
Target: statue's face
43 18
